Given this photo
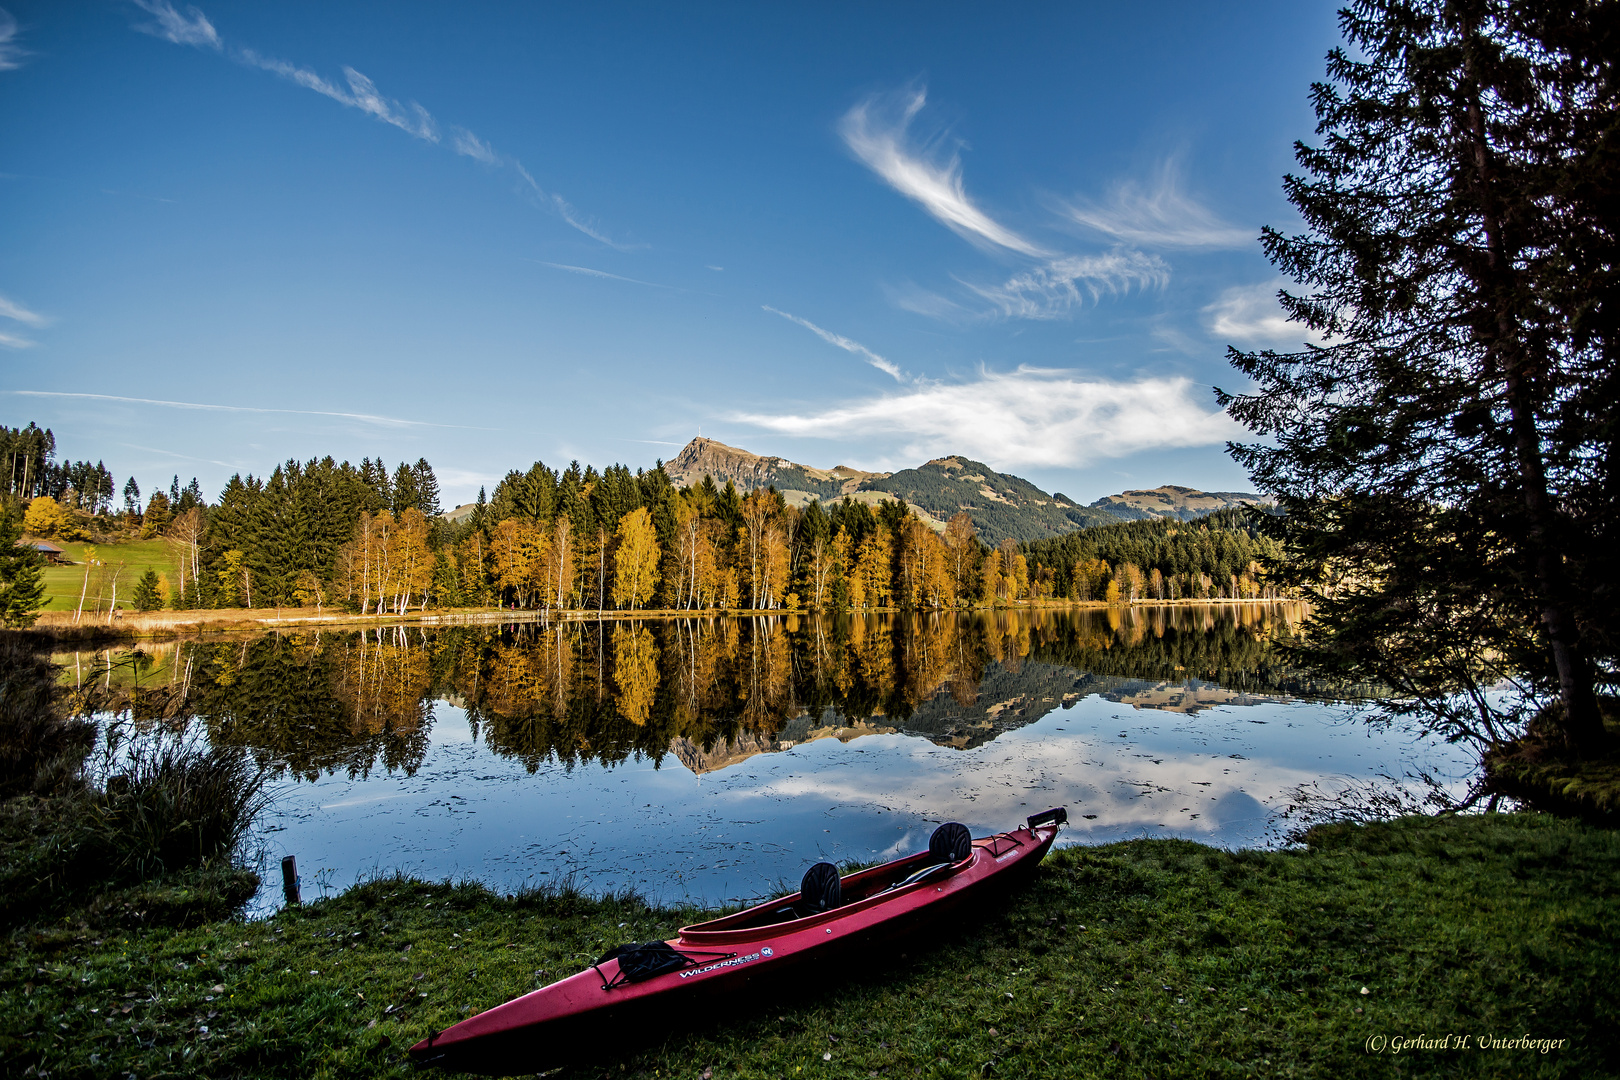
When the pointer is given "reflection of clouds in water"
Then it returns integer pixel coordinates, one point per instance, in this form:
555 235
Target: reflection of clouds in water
741 830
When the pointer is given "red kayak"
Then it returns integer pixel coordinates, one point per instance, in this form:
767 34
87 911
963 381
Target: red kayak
828 921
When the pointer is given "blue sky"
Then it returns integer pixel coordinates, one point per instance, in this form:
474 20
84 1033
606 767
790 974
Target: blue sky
488 234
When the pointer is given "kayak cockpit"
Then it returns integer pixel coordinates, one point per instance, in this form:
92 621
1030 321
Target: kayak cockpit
861 890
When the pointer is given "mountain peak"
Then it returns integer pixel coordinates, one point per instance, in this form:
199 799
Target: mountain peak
1172 500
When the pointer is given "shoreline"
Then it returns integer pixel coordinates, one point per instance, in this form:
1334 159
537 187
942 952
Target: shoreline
167 624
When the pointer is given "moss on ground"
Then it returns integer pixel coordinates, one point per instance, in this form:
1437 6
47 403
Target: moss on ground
1151 958
1540 772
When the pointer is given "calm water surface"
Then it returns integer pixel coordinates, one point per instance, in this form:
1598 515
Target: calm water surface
714 759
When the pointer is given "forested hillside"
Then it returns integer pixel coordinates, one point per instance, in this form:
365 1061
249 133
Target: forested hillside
1002 506
1163 559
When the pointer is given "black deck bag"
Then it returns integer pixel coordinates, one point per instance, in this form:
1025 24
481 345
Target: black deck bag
643 960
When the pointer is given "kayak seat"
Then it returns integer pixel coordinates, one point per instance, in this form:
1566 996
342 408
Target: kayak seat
951 843
821 890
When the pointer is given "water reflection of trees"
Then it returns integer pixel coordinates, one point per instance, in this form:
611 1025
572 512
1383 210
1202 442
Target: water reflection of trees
573 692
325 703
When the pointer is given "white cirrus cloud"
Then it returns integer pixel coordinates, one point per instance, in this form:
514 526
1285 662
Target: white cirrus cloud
364 96
10 309
1251 315
358 92
1025 417
361 93
888 367
1158 215
369 418
877 131
587 271
11 53
920 301
191 28
574 218
1053 290
13 341
467 144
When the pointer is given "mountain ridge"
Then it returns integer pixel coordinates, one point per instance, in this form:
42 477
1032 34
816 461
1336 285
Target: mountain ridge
1002 505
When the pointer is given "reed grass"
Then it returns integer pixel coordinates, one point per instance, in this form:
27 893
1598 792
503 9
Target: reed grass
82 817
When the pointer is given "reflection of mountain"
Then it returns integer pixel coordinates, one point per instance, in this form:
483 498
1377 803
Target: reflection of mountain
1187 696
730 752
1008 698
710 692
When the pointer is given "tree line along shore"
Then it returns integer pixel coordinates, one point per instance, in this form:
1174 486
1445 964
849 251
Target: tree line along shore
334 539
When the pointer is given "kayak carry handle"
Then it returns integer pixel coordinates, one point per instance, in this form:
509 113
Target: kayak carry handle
1057 814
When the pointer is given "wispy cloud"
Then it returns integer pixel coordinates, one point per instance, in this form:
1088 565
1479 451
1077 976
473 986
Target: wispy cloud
192 28
1250 315
178 456
467 144
562 207
920 301
413 119
589 272
358 91
1158 215
11 53
878 132
573 217
1026 417
10 309
1064 284
886 366
369 418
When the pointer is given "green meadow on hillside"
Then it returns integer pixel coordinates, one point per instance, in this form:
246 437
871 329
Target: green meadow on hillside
63 583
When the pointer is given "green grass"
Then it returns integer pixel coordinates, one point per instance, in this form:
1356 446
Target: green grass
1151 958
62 583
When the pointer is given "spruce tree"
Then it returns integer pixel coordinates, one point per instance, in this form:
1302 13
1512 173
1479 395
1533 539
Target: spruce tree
427 489
406 492
1446 457
22 577
148 592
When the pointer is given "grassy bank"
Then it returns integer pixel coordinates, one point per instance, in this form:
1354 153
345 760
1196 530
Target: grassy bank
1149 958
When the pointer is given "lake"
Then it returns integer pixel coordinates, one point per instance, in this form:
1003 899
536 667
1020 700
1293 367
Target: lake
715 759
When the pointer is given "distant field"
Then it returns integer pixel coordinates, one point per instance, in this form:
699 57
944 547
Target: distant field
62 583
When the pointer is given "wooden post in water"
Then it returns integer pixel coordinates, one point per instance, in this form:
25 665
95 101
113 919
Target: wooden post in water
289 879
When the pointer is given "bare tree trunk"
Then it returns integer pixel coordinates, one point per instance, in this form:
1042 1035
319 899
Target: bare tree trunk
83 588
112 607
